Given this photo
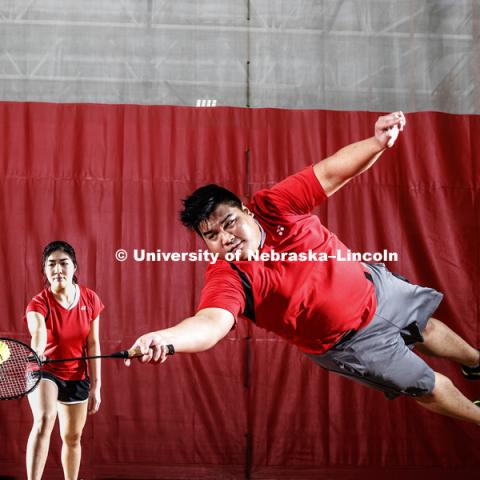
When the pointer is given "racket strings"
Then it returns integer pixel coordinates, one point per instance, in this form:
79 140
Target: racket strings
19 373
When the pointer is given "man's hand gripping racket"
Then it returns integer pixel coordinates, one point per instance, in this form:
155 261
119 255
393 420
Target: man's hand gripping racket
151 348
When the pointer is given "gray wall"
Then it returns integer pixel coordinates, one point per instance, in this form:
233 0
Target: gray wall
327 54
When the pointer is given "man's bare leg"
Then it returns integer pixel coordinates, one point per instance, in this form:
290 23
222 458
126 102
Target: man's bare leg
447 400
441 341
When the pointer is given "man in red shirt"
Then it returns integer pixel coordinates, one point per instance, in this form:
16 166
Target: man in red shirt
282 269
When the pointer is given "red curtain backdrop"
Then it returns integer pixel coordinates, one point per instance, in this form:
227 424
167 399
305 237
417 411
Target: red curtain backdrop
105 177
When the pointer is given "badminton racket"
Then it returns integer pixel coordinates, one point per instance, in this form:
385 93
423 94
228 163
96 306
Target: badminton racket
21 367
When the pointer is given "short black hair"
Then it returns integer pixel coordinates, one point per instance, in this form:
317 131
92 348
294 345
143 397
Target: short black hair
60 245
202 203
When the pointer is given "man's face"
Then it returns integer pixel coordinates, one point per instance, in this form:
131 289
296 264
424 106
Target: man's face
230 229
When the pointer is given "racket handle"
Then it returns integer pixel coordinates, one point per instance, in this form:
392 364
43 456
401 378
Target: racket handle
136 352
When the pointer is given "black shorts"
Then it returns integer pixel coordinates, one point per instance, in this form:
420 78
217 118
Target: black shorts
69 391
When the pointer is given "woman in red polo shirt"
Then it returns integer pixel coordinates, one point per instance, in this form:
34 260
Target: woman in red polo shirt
63 320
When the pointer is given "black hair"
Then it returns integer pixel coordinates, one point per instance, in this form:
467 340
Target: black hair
60 245
202 203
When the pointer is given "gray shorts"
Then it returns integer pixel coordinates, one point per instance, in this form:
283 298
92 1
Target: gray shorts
380 354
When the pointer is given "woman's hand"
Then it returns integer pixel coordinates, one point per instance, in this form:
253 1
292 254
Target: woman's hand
94 399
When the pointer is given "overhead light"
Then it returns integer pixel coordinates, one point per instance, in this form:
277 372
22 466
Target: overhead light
203 102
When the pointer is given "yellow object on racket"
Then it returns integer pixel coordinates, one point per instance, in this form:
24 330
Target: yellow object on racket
4 352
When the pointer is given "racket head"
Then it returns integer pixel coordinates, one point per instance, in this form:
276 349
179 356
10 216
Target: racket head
20 369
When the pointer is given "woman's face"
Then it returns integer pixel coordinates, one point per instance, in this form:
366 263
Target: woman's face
59 269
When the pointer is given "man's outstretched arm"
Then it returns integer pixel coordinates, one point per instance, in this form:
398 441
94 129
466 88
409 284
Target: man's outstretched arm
194 334
335 171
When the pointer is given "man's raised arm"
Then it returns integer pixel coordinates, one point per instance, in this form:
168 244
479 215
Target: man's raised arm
335 171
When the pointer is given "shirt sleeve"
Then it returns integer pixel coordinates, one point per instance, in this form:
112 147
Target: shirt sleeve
222 289
96 305
298 194
39 305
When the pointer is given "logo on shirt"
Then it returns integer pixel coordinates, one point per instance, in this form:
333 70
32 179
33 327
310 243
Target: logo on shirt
280 230
83 307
